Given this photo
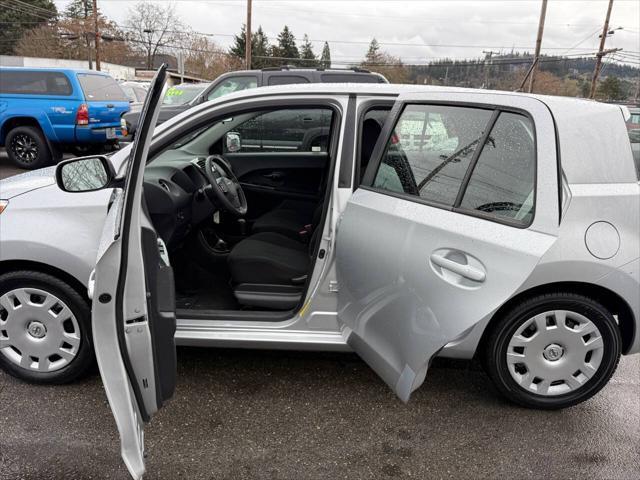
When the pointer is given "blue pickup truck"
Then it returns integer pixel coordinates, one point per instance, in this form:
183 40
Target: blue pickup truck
44 112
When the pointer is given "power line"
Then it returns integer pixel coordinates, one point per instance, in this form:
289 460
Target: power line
33 7
21 10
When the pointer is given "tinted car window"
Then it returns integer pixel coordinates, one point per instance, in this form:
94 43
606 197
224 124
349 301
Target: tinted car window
370 130
101 88
502 182
232 84
34 83
430 150
287 130
287 79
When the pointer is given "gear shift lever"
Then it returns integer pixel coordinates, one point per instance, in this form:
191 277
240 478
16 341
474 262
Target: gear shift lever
242 225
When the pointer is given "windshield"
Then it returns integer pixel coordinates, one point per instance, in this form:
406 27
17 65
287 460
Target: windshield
181 95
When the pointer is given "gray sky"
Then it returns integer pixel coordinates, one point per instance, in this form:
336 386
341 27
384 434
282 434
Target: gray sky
455 28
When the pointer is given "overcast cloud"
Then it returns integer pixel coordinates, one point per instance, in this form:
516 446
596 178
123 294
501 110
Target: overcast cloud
457 29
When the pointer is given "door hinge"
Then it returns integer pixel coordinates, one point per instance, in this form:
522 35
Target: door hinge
333 286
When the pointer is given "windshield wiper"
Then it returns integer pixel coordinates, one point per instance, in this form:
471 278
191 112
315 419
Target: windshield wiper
451 158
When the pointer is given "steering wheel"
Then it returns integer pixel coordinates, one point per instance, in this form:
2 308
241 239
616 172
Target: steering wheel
225 187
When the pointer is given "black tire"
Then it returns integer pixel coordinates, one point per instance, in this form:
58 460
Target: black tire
36 155
84 358
495 350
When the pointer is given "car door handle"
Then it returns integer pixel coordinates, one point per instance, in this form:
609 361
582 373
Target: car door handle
467 271
275 176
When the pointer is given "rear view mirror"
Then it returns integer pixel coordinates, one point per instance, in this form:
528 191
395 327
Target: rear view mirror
233 142
85 174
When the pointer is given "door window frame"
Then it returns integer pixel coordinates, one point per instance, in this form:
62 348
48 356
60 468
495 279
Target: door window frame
389 128
232 107
364 108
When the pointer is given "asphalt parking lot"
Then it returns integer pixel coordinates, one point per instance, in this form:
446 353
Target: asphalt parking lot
290 415
6 169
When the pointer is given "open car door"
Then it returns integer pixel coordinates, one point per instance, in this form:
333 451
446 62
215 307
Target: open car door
419 264
133 315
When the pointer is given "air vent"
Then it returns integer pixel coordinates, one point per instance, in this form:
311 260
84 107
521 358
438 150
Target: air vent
201 162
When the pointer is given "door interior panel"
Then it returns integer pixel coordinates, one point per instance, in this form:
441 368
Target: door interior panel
161 315
269 178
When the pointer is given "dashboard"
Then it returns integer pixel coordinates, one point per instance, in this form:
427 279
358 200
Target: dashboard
176 197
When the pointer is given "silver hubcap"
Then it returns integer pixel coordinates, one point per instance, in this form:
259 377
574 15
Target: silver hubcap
38 331
555 352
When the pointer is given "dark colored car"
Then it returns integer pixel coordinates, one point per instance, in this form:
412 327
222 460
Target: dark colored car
245 79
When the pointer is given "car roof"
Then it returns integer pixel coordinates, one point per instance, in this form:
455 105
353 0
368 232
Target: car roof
584 127
49 69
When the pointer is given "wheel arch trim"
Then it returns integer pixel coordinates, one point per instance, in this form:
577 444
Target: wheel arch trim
7 266
613 302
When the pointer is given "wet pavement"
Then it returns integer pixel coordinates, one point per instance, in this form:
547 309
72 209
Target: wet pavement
290 415
6 168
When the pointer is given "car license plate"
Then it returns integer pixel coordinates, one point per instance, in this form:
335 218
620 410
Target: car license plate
111 133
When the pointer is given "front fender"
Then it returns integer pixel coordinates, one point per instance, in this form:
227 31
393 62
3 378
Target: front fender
36 114
55 228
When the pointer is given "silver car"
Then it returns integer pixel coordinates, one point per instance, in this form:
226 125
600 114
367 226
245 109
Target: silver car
399 222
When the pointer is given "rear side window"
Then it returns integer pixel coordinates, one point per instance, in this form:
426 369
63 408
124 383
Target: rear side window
101 88
34 83
430 151
437 153
287 79
502 182
287 130
348 78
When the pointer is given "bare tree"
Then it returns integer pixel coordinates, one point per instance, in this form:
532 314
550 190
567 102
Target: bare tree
154 29
207 60
386 64
67 39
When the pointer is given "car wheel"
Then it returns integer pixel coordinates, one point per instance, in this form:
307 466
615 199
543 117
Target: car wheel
553 351
27 148
45 332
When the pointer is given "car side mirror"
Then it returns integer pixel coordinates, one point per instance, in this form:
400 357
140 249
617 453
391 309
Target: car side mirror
233 142
85 174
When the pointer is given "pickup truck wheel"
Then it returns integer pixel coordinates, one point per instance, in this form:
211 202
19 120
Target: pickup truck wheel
27 148
45 332
553 351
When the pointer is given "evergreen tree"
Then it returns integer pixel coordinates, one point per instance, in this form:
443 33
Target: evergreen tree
14 22
237 49
373 54
611 89
306 54
286 48
325 58
259 47
78 9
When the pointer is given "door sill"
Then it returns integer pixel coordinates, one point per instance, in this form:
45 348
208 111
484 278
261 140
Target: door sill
189 333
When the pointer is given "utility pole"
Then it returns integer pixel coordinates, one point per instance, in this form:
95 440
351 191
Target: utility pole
247 41
536 58
86 34
488 54
97 32
601 52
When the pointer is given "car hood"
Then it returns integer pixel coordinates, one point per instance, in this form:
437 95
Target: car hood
26 182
